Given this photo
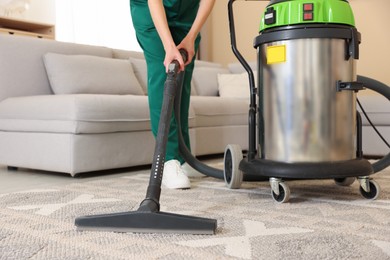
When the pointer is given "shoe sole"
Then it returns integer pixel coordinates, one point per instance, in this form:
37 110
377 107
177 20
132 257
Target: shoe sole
178 187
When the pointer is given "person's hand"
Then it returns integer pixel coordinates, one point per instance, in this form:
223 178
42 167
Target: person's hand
172 54
188 45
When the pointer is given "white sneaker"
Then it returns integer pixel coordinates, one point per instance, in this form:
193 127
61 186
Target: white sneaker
173 176
191 172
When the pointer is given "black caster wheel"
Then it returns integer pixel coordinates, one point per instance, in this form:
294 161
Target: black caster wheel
348 181
284 193
232 174
374 191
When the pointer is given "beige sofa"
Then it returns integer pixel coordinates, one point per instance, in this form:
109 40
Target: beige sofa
75 108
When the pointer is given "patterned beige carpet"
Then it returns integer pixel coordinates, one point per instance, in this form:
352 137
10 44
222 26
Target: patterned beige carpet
321 221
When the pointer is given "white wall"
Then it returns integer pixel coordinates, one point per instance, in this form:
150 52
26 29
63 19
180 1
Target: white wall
96 22
42 11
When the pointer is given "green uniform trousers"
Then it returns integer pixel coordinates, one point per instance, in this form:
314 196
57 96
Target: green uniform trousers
180 16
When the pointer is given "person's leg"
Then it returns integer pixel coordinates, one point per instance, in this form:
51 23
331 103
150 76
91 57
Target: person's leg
154 53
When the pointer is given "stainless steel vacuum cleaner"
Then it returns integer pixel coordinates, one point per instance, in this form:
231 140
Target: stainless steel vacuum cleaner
308 127
303 122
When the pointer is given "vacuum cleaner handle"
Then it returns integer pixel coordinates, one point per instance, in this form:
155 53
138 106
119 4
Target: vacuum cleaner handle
173 67
252 88
236 52
184 54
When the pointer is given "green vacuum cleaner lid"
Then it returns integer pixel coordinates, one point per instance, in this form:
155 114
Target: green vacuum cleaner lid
294 12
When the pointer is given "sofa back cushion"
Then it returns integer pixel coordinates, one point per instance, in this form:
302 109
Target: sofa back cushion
126 54
234 85
206 79
22 72
141 72
85 74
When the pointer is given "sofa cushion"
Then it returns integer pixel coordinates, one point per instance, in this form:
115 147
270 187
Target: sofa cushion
140 71
209 64
77 114
22 70
125 54
206 80
219 111
81 113
85 74
234 85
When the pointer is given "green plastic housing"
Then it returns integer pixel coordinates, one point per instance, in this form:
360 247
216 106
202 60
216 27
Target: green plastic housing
291 12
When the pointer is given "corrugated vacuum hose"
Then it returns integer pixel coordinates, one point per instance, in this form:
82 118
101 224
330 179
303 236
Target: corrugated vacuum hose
384 90
148 218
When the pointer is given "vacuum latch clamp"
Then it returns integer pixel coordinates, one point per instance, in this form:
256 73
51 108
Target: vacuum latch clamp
354 86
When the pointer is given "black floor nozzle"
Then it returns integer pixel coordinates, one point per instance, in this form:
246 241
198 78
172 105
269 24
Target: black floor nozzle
148 218
147 222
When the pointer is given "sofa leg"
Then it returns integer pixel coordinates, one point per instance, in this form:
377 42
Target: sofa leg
12 168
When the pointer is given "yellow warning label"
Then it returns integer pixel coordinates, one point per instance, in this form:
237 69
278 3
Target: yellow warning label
276 54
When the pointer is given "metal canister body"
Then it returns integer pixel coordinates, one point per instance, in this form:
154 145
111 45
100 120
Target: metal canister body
304 117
